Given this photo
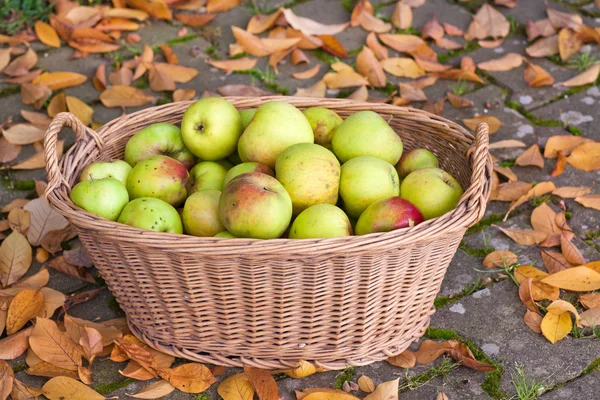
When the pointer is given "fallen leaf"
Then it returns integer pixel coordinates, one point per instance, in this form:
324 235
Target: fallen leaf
53 299
60 80
13 346
311 27
317 90
125 96
16 203
75 328
23 307
458 74
576 279
430 351
410 93
536 76
15 258
554 262
506 144
570 251
260 23
54 346
302 370
91 343
193 378
368 65
22 64
586 157
309 73
21 134
43 220
448 44
60 264
504 63
461 353
533 320
4 58
568 43
560 306
8 151
263 383
402 16
195 20
590 300
360 7
402 67
240 64
371 23
366 384
324 394
402 43
523 237
590 75
452 30
556 327
493 123
343 79
561 163
385 391
543 219
591 317
221 5
80 109
538 190
442 395
63 387
406 359
378 49
21 391
160 81
58 104
511 191
35 281
184 94
432 29
360 94
333 46
242 90
6 379
458 101
159 389
525 294
258 46
544 47
42 368
560 19
46 34
236 387
488 22
435 108
500 258
564 143
156 8
589 201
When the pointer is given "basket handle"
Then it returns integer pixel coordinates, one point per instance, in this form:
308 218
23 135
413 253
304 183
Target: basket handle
82 133
479 189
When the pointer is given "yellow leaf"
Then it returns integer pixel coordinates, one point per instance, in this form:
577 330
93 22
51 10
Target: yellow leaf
385 391
236 387
589 201
586 157
125 96
260 23
560 306
54 346
524 237
318 90
184 94
156 8
15 258
402 67
344 79
493 122
189 378
302 370
80 109
568 43
555 327
577 279
23 307
543 219
60 80
46 34
63 387
309 73
156 390
366 384
327 394
178 73
57 105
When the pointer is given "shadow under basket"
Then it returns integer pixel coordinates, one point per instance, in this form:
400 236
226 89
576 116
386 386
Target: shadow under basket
270 303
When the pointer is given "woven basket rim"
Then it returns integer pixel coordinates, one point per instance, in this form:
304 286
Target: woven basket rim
464 215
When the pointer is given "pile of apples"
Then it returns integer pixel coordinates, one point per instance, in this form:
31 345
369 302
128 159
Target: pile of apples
266 173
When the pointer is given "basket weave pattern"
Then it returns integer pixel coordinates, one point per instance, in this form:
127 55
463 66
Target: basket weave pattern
270 303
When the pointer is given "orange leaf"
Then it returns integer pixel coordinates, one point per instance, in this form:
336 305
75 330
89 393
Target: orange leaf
554 261
221 5
54 346
511 191
488 22
538 190
430 351
402 16
588 76
333 46
13 346
560 19
544 47
368 65
589 201
371 23
504 63
493 122
586 157
458 101
260 23
500 258
60 80
536 76
432 29
311 27
568 43
561 162
195 20
125 96
570 251
533 321
589 300
156 8
380 51
309 73
239 64
452 30
405 359
402 67
531 157
57 105
80 109
343 79
263 383
184 94
46 34
564 143
116 24
299 57
317 90
523 237
525 295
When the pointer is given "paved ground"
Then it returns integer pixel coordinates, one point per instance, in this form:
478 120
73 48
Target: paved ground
473 306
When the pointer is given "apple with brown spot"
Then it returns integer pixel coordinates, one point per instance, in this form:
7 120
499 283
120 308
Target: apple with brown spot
387 215
160 177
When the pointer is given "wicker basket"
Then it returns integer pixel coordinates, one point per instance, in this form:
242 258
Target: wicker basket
270 303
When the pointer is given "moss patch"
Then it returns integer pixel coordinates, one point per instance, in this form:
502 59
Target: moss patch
111 387
475 252
443 369
344 376
467 290
19 368
467 48
484 223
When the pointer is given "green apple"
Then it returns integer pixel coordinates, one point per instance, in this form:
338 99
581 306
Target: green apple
323 122
432 190
255 205
275 127
206 175
158 139
321 221
244 168
387 215
105 197
117 169
211 128
365 180
225 235
415 159
160 176
246 116
310 173
151 214
201 213
365 133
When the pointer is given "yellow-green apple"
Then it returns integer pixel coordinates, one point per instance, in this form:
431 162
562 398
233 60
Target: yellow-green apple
275 127
365 133
323 122
415 159
151 214
255 205
244 168
246 116
206 175
160 176
321 221
201 213
105 197
364 180
310 173
211 128
158 139
432 190
225 235
387 215
117 169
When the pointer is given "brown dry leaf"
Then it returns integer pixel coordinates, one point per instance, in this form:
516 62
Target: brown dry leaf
8 151
43 220
586 157
63 387
458 101
16 203
35 94
410 93
19 220
90 35
309 73
385 391
432 29
556 327
590 300
160 81
35 281
589 201
302 370
504 63
402 67
125 96
221 5
430 351
500 258
133 38
60 80
15 258
54 346
436 108
195 20
343 79
511 191
368 66
324 394
240 64
564 143
318 90
524 237
260 47
298 57
588 76
591 317
75 327
366 384
46 34
568 43
159 389
58 104
263 383
53 299
242 90
168 53
493 123
379 50
6 379
22 64
156 8
543 219
91 343
60 264
461 353
536 76
576 279
4 58
533 321
544 47
311 27
560 19
123 76
23 307
236 387
42 368
406 359
371 23
13 346
196 378
554 262
488 22
80 109
21 391
184 94
39 119
490 44
457 74
402 43
178 73
531 157
506 144
260 23
452 30
448 44
360 7
570 251
402 16
538 190
360 94
525 294
53 240
20 134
